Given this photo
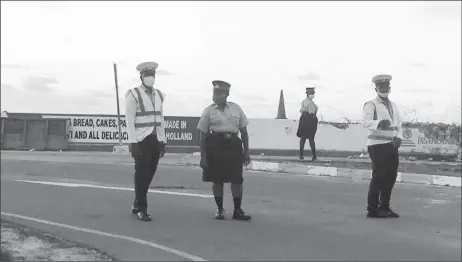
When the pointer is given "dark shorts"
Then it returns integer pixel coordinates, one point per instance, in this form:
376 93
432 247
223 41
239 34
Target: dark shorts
307 126
225 158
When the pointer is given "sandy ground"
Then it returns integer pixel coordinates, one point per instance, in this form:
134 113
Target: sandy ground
27 244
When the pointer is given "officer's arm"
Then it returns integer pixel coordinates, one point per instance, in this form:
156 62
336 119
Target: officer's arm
164 142
368 116
302 107
243 123
130 114
399 123
203 127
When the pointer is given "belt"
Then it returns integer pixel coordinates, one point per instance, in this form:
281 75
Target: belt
224 134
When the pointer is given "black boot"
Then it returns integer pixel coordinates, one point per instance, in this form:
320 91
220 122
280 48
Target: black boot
238 213
144 216
220 211
135 210
220 214
377 213
390 213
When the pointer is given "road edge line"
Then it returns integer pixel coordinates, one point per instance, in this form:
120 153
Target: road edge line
101 233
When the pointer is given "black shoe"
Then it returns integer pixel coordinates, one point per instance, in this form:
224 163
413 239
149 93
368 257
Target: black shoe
144 216
301 158
377 213
314 158
220 214
390 213
239 214
135 210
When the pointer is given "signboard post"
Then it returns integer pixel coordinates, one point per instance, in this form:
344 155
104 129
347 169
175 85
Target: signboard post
120 148
118 107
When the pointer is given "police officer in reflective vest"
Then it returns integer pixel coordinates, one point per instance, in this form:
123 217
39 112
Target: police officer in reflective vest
146 132
223 153
382 119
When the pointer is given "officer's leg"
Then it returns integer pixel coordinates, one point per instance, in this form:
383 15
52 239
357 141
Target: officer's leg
153 156
218 192
302 146
237 192
376 184
136 178
313 147
141 172
392 173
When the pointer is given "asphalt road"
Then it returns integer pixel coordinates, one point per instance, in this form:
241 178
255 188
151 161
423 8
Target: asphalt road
294 217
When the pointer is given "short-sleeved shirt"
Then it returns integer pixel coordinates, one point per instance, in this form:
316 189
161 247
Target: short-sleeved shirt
308 106
230 120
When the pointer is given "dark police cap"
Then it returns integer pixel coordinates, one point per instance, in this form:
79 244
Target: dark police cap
379 79
310 90
221 85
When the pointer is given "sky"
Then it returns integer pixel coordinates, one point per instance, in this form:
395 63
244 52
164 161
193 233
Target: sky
57 57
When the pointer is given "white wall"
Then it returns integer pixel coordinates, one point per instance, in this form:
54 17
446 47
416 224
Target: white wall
282 134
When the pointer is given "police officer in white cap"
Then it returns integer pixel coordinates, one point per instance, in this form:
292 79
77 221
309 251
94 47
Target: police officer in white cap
146 131
382 119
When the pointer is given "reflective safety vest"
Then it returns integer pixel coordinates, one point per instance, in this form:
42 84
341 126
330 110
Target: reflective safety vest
376 136
149 113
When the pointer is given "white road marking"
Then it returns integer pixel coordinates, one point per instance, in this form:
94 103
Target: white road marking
101 233
113 188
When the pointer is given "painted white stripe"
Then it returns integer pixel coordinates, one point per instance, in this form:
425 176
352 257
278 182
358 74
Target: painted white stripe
113 188
101 233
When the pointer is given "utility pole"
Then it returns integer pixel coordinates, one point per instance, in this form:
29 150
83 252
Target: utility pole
118 107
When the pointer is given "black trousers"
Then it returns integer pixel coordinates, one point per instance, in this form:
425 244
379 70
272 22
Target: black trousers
385 162
146 162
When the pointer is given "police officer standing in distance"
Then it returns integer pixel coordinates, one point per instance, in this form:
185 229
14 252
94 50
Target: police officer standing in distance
223 153
308 123
146 132
382 119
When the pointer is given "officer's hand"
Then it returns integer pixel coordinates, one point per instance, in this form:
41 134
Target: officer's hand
247 159
384 124
204 163
162 149
396 142
135 149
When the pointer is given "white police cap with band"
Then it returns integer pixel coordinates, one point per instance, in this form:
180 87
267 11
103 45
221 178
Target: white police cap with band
147 66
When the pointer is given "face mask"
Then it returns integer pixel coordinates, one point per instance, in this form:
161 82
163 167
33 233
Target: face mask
311 97
384 95
149 81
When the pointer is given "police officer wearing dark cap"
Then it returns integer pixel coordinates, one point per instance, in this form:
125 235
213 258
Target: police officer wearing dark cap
223 153
382 119
146 132
308 123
